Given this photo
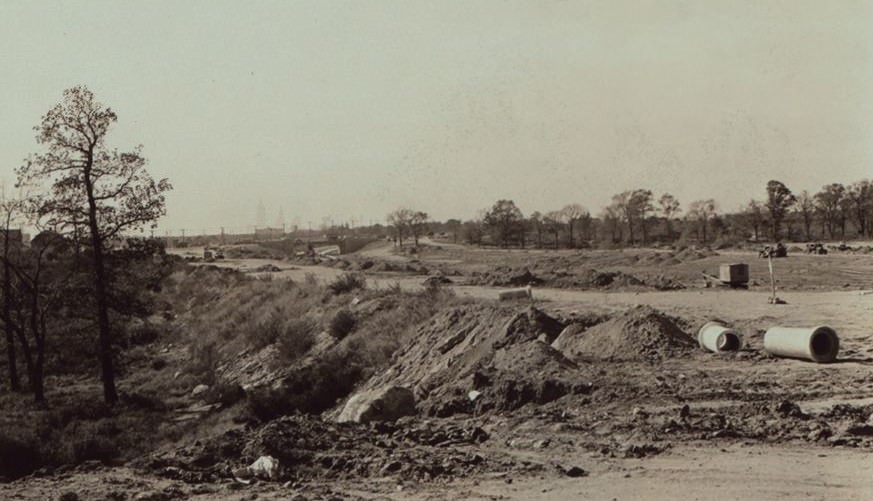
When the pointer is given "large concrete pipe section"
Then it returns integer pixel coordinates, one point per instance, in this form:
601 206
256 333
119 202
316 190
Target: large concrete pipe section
819 344
714 336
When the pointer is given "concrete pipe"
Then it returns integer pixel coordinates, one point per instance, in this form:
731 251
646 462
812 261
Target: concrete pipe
522 293
714 336
819 344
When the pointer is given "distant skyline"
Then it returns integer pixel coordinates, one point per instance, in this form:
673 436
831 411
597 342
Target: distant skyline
340 109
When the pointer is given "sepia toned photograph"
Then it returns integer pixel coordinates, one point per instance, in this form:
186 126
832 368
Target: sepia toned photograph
389 250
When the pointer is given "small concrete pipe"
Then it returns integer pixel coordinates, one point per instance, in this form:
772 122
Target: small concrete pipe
714 336
819 344
521 293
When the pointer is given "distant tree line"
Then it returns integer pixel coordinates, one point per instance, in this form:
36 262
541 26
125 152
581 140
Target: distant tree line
637 217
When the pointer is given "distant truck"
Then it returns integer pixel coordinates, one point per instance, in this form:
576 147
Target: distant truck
816 248
778 250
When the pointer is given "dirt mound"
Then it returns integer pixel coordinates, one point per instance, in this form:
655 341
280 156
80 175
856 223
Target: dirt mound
638 334
478 358
690 254
505 276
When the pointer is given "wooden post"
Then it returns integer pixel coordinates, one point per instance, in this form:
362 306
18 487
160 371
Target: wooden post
772 278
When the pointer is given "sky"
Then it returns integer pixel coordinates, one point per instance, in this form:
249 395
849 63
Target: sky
346 110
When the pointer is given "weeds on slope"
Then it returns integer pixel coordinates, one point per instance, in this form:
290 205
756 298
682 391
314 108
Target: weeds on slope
325 339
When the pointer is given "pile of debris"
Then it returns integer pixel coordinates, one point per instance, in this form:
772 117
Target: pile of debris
304 447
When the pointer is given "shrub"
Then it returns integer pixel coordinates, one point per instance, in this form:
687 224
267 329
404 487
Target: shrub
142 334
437 290
88 441
267 332
225 393
297 338
342 324
347 282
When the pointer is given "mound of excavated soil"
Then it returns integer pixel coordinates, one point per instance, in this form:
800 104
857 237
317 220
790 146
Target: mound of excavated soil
505 276
477 358
638 334
690 254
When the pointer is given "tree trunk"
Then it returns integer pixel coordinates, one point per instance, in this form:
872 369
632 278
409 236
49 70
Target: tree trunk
37 385
28 356
14 379
107 371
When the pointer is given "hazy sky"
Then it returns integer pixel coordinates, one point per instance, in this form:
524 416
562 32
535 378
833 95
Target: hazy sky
350 109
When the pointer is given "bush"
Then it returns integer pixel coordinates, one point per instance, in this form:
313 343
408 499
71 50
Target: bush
89 441
347 282
266 333
225 393
296 339
142 334
342 324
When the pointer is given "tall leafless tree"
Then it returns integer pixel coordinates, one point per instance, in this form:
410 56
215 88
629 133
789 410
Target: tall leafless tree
110 191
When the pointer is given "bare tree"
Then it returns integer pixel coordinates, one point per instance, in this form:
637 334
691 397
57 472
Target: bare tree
417 225
400 219
612 216
829 202
536 221
806 208
571 214
670 209
552 223
109 190
702 211
11 209
779 200
621 203
860 196
754 214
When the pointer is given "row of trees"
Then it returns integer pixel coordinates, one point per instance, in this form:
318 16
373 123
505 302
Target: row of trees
83 198
637 217
407 222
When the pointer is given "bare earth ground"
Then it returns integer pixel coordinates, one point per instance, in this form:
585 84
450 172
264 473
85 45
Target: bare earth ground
764 457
